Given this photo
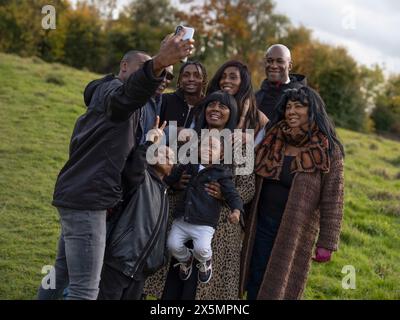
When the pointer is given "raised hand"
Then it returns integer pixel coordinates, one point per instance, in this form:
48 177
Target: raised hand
155 134
173 49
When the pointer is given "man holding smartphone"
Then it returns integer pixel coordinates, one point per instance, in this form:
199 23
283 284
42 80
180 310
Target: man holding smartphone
90 181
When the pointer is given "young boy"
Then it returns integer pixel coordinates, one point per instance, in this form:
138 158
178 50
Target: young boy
196 217
137 232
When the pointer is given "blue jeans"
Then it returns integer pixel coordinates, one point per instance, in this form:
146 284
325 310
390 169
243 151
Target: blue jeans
80 255
267 230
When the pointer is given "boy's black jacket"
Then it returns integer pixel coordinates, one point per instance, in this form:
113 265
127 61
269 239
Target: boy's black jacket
136 233
198 207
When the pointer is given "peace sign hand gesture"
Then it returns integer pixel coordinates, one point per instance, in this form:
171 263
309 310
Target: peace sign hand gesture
155 135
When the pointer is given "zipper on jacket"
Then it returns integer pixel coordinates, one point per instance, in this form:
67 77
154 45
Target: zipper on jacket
122 236
150 243
188 114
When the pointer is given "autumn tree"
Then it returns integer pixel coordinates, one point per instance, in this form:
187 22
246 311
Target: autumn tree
337 77
21 26
151 21
238 29
386 115
84 38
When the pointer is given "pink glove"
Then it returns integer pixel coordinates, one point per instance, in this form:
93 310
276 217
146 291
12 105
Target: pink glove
322 255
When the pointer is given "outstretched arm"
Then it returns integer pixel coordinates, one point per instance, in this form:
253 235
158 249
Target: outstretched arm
121 101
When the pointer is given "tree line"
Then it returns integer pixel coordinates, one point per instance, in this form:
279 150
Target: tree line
90 37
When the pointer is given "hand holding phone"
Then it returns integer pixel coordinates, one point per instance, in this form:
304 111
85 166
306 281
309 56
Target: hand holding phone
189 33
173 49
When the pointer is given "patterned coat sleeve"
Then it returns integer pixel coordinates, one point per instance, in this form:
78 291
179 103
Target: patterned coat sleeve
331 204
246 187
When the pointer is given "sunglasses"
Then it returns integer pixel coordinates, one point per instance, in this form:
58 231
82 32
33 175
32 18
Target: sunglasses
169 76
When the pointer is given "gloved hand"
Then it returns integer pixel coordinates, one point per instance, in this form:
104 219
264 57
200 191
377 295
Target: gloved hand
322 255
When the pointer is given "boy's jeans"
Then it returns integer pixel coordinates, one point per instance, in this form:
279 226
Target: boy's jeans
181 232
80 255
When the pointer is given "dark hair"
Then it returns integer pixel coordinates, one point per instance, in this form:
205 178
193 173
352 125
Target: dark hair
198 66
225 99
245 90
316 112
133 54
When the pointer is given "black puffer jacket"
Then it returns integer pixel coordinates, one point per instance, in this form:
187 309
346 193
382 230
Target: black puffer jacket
102 140
269 94
198 207
136 234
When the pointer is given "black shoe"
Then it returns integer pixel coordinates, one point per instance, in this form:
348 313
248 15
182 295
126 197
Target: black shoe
205 271
185 268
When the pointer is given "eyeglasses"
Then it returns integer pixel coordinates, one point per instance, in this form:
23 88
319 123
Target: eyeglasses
291 90
169 76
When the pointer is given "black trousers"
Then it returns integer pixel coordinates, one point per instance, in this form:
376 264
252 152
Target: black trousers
175 288
267 229
114 285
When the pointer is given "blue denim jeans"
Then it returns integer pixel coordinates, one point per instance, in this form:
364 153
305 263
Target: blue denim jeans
80 255
263 244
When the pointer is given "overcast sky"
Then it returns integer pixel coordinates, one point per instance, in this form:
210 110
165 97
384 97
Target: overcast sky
369 29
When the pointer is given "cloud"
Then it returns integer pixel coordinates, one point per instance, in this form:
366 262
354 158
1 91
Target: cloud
368 28
363 54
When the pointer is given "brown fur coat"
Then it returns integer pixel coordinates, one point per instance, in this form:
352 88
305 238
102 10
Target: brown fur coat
314 209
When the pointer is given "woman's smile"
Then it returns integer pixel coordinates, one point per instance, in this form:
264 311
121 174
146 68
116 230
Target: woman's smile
215 115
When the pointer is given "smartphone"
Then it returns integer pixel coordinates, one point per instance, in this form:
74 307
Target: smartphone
188 35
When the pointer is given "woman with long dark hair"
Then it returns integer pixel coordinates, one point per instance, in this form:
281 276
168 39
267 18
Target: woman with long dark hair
235 78
299 198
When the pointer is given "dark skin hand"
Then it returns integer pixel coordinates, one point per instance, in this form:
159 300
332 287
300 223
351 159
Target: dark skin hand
214 190
183 182
173 49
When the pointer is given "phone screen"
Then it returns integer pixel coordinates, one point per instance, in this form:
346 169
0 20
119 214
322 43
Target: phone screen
188 35
189 32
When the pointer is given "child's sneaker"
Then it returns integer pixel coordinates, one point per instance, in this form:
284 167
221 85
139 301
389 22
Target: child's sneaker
185 268
205 271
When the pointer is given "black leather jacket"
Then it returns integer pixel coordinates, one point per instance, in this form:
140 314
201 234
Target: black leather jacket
136 239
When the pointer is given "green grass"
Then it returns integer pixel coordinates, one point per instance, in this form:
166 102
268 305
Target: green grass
39 104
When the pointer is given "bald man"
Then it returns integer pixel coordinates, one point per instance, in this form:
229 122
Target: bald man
278 64
90 181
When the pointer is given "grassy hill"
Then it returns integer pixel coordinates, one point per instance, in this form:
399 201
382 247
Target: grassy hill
39 103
